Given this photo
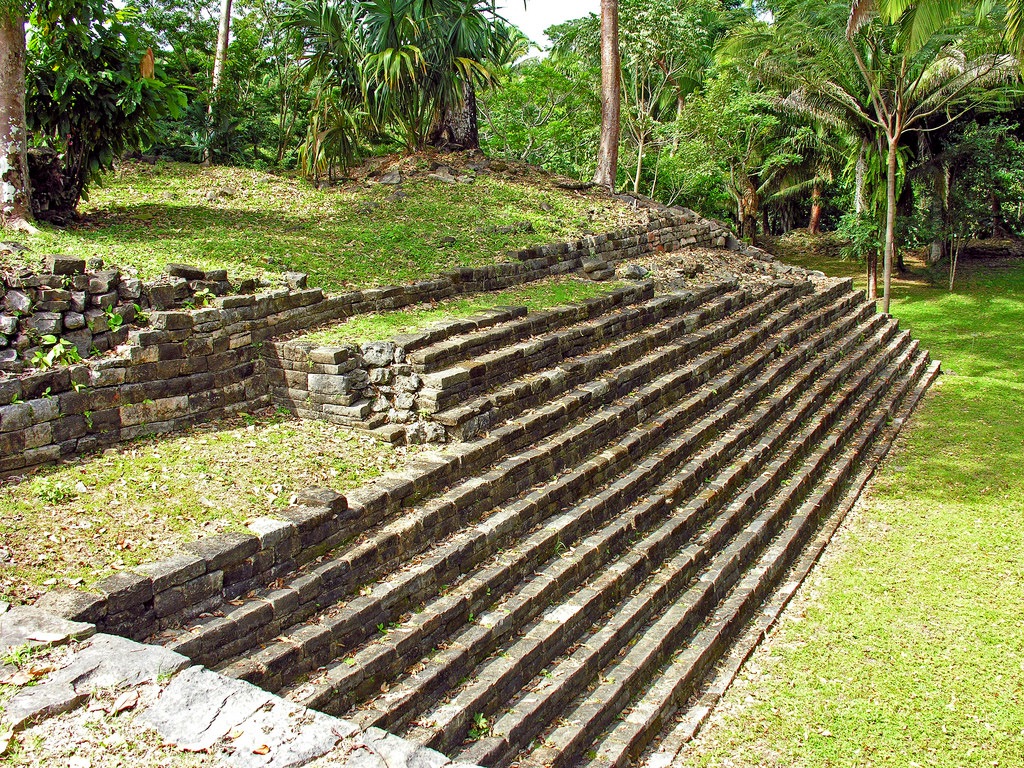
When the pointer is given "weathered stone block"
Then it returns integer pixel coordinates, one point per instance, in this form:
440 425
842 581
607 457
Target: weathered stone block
58 264
184 271
124 591
43 323
173 571
225 549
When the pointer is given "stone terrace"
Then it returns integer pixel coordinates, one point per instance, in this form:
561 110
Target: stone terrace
637 479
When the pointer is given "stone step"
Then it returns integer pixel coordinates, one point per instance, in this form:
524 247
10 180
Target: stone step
598 659
308 646
674 532
726 313
445 389
460 342
691 716
396 707
641 476
642 721
446 393
445 329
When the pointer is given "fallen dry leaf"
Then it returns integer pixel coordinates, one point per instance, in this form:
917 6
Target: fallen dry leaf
263 749
19 678
126 700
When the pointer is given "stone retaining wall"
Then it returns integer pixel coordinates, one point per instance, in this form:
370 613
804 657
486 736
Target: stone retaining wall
91 306
381 384
193 365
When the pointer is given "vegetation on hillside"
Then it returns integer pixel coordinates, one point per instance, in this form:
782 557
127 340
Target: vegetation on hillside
255 223
879 120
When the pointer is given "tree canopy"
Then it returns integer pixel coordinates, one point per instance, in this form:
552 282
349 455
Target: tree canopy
866 117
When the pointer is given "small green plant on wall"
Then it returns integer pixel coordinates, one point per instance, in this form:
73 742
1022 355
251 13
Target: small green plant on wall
56 351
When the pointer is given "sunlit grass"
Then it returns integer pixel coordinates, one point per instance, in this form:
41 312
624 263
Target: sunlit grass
343 237
72 524
908 649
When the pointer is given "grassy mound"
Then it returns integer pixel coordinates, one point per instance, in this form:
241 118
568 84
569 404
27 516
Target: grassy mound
358 234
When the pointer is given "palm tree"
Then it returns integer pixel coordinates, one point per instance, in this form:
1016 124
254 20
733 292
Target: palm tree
406 65
873 83
921 19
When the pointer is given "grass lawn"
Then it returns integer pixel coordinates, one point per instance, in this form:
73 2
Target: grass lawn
343 236
906 645
72 524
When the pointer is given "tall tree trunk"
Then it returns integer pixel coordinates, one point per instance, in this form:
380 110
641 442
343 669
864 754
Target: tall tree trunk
223 38
15 187
890 222
611 96
814 225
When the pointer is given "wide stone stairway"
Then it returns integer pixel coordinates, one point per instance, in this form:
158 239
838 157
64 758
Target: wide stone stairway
636 479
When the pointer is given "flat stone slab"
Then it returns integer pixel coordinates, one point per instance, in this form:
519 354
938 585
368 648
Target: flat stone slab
24 625
249 728
200 707
107 661
197 710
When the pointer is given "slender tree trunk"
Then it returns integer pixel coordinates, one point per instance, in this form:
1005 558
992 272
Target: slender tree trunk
15 186
814 226
748 212
859 202
611 96
873 275
998 225
639 165
223 38
890 223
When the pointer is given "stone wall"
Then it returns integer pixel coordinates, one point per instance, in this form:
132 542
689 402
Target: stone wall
91 306
384 384
190 365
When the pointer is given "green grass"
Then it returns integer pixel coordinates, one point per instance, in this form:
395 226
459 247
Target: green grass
147 216
535 296
908 645
71 524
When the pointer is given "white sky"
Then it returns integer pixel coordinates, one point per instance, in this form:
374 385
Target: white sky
541 14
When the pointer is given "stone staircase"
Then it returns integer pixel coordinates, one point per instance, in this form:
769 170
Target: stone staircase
635 481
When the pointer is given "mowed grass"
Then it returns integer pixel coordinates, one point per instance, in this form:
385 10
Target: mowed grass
906 646
72 524
343 236
535 296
